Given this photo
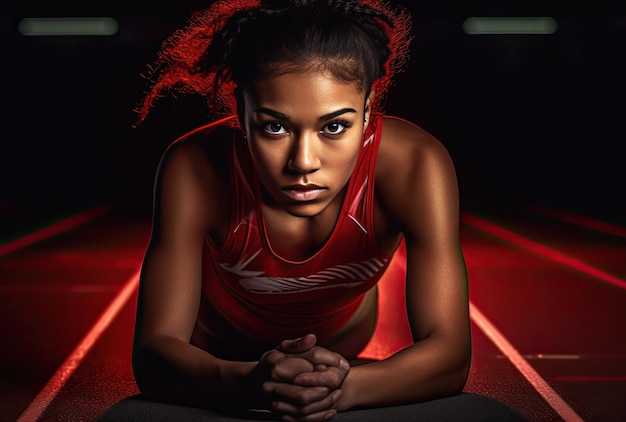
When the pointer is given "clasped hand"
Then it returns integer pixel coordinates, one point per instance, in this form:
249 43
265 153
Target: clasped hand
302 381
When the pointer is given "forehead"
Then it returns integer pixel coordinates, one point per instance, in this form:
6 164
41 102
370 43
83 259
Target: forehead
313 86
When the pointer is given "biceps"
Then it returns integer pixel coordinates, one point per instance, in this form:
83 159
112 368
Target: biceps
436 291
169 291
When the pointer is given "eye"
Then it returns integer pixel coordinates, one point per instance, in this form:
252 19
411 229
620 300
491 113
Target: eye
274 128
335 128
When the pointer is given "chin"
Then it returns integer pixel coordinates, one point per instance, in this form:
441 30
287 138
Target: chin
305 210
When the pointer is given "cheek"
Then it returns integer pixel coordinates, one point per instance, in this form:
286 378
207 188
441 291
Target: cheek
266 160
343 162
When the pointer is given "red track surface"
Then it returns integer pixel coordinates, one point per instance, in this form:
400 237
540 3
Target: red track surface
548 296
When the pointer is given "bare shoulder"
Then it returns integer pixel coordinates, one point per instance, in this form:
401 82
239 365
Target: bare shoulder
204 147
191 178
415 176
405 147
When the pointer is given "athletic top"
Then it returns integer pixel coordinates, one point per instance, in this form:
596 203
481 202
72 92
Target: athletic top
269 298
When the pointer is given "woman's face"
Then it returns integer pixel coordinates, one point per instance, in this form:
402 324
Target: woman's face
304 132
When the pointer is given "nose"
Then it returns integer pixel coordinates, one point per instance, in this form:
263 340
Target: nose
304 156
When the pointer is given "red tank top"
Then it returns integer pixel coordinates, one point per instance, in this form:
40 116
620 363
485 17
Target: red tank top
269 298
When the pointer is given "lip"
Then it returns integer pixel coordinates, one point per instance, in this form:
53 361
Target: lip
303 193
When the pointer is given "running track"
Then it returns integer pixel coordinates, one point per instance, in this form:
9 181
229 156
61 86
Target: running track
548 308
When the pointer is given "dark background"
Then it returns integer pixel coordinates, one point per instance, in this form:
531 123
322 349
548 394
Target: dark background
528 119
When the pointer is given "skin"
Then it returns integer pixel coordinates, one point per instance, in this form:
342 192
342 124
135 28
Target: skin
304 147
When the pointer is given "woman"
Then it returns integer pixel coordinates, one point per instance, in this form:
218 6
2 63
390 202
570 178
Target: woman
273 225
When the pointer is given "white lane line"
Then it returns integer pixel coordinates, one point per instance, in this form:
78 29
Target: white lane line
543 388
577 356
65 371
542 356
54 229
540 249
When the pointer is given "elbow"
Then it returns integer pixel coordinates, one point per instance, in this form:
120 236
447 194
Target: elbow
140 372
145 373
452 383
455 363
459 379
459 373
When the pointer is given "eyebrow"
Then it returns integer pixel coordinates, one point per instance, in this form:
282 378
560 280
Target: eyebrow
283 116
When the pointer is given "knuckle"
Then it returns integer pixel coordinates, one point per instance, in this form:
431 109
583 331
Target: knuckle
277 373
317 353
267 388
272 357
285 344
334 378
306 397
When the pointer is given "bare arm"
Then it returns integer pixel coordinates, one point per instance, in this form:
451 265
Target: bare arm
165 365
417 184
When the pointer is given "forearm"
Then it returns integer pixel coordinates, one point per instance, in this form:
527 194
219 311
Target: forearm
423 371
168 369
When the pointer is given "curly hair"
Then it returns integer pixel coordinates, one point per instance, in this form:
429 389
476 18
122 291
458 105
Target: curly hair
231 44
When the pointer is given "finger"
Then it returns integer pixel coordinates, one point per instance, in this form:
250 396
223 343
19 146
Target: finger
298 345
285 370
331 378
312 412
324 357
276 366
296 395
276 359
